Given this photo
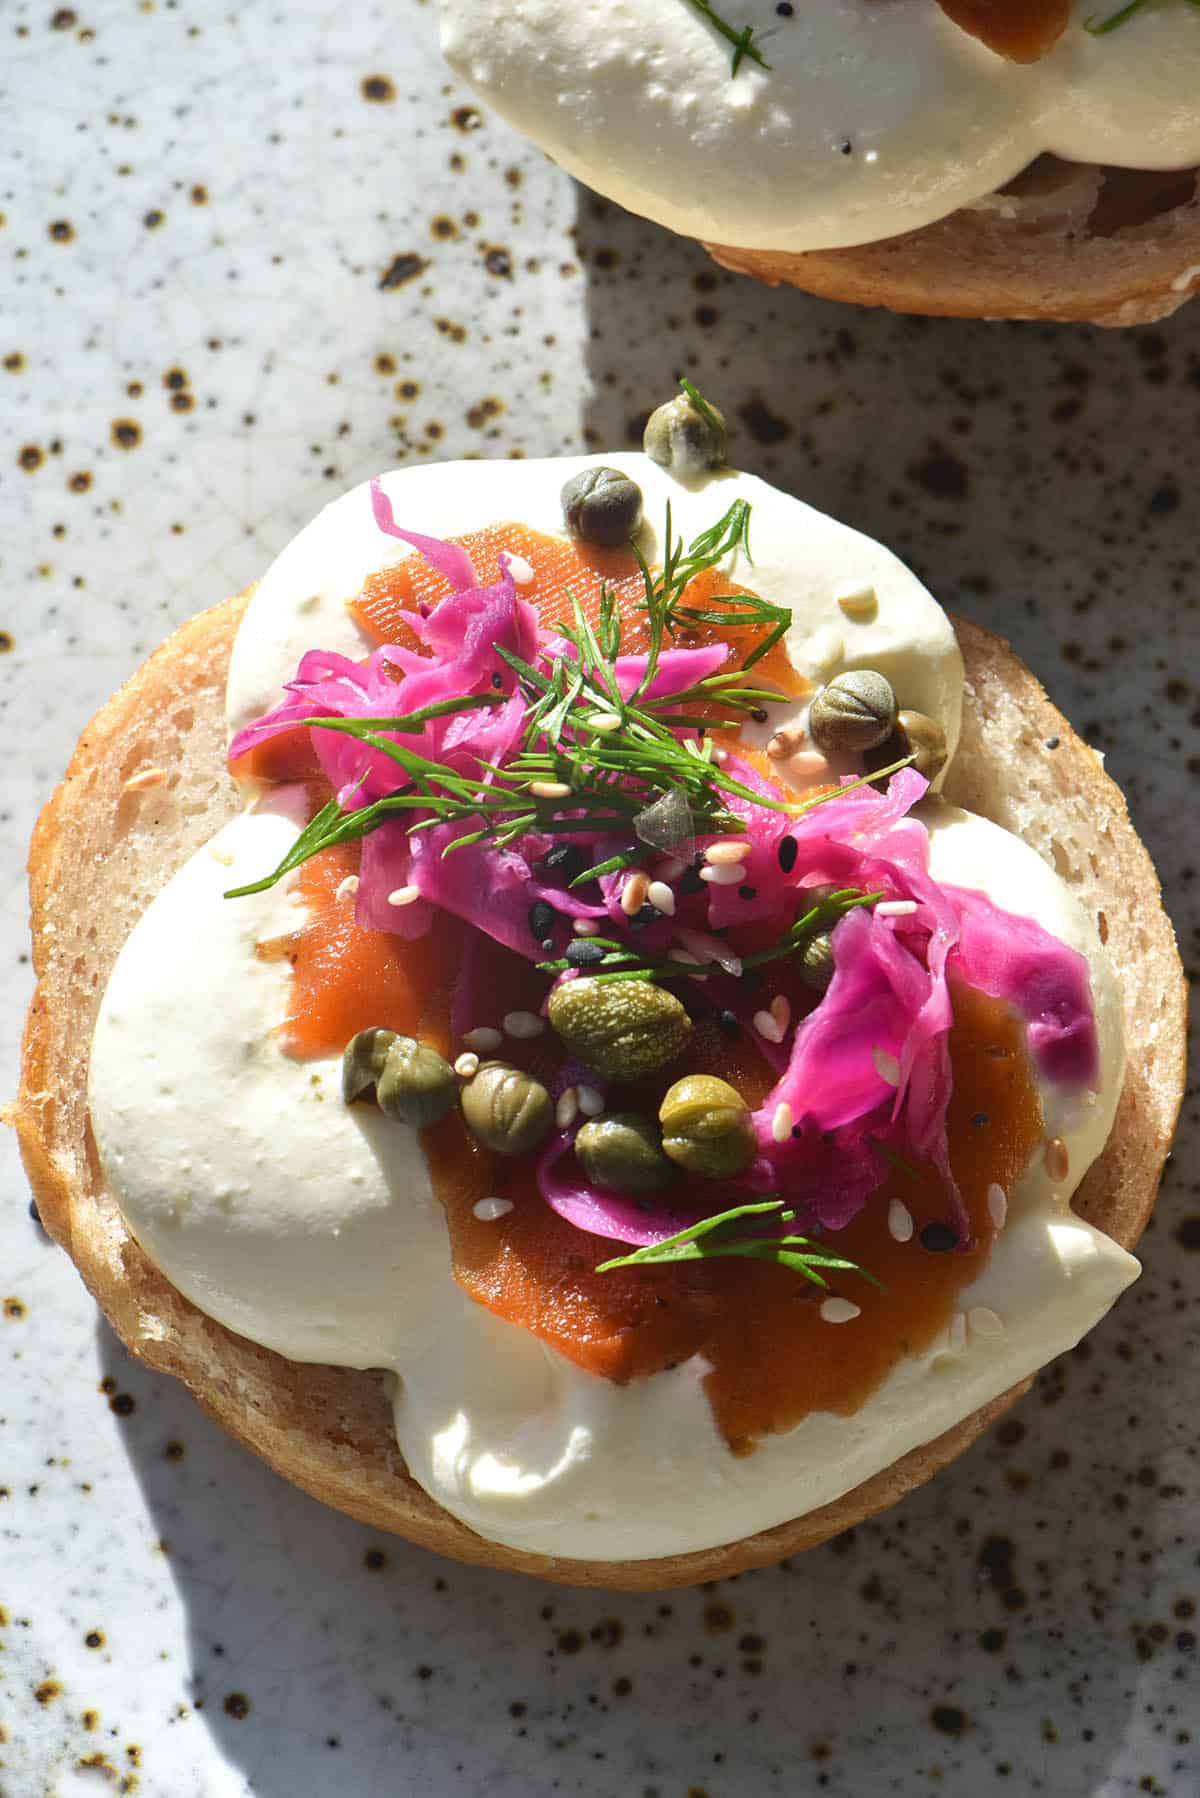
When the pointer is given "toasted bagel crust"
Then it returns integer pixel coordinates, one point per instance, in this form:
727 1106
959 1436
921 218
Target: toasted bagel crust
1069 242
114 832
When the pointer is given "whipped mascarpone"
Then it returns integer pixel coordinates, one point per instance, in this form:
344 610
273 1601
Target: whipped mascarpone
312 1228
875 116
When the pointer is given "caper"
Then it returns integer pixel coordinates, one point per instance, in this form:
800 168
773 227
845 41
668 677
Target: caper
602 505
622 1028
854 713
924 738
815 962
685 438
507 1109
707 1127
410 1081
623 1153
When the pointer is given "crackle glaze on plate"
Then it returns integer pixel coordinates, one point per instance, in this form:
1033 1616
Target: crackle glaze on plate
248 257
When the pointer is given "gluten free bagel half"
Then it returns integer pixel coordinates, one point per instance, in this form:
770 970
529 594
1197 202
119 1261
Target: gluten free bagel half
148 787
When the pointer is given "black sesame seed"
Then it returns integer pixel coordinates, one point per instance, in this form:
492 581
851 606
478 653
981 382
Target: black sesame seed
787 852
497 680
937 1238
546 944
979 1120
564 861
1052 742
646 914
759 714
727 1024
785 9
581 953
35 1214
689 882
542 919
747 892
797 1131
847 147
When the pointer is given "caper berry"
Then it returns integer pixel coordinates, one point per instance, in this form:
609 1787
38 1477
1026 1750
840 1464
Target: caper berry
409 1080
924 738
622 1028
508 1110
623 1153
707 1127
854 713
815 962
681 437
602 505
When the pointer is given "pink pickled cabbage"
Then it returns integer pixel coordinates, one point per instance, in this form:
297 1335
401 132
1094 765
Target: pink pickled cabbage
867 1074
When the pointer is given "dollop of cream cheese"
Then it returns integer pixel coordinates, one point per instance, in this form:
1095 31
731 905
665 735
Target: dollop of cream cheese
312 1228
872 119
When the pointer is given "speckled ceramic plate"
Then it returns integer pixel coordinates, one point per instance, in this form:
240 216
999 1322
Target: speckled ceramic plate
250 256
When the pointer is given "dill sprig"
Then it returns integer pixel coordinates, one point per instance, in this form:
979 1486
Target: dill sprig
742 41
614 756
720 1236
622 962
1099 25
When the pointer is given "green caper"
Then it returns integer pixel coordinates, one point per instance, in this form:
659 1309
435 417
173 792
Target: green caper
603 506
815 962
622 1028
623 1153
684 437
507 1109
409 1080
707 1127
924 738
854 713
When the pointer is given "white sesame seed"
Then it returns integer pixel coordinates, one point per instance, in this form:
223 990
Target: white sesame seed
886 1066
220 855
723 874
985 1322
896 908
729 850
347 888
520 569
785 743
768 1027
466 1064
549 789
862 603
720 755
1058 1162
958 1332
781 1010
586 927
604 722
591 1102
404 895
997 1200
807 768
900 1222
839 1311
488 1210
567 1109
781 1122
683 956
145 780
483 1038
633 894
523 1024
661 898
